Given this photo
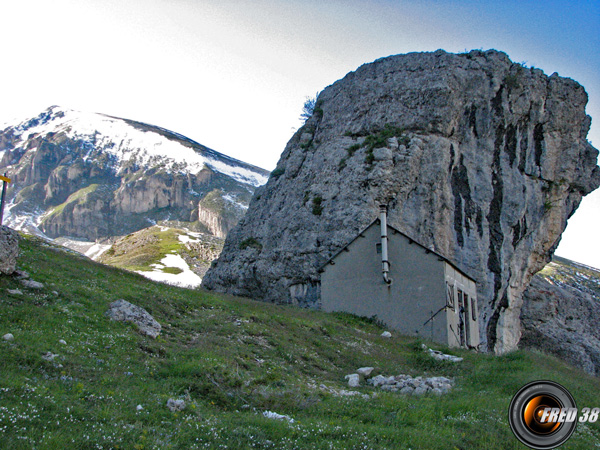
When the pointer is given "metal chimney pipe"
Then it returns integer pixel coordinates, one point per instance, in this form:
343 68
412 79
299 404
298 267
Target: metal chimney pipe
385 264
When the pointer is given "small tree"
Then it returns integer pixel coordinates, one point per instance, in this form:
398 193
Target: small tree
308 108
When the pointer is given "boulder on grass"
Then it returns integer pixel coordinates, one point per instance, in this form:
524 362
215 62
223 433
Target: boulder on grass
123 311
9 250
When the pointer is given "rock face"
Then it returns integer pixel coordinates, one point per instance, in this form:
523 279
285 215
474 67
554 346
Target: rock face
220 213
561 313
9 250
92 176
479 158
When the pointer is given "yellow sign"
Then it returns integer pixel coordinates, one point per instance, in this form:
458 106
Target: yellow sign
5 179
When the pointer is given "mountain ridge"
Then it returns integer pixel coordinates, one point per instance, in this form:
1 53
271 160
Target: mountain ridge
166 132
92 176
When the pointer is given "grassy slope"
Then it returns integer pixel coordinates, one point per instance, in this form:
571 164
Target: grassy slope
231 359
141 249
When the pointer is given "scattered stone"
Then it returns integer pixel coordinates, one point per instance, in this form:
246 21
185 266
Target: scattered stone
389 387
55 293
62 341
14 291
342 392
382 154
441 356
408 385
274 415
353 380
124 311
390 381
175 404
386 334
139 407
365 371
8 337
420 390
49 356
31 284
20 274
9 250
377 381
442 380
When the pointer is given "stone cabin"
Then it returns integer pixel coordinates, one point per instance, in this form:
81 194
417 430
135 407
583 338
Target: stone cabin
408 287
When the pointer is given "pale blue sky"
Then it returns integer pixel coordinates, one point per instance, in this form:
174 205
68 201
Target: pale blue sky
233 74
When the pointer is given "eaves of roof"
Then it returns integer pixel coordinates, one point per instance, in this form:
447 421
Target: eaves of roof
411 240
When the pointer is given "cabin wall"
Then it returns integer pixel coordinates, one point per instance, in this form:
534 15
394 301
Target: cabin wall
354 284
461 312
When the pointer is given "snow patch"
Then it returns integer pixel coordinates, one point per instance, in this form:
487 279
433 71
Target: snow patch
96 250
186 278
185 239
175 261
92 250
231 199
26 222
238 173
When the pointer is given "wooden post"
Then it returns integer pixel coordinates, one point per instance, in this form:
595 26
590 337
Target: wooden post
5 181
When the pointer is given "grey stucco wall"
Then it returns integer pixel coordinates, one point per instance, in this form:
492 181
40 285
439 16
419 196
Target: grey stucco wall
354 284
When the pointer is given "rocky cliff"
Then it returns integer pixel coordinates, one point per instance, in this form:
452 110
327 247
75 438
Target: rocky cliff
92 176
479 158
561 312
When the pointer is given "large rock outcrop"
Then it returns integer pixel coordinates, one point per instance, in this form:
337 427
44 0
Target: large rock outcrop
479 158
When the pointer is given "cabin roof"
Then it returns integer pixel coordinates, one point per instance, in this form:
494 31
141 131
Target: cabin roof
395 230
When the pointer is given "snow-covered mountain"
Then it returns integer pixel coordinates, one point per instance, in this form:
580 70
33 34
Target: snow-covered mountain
93 176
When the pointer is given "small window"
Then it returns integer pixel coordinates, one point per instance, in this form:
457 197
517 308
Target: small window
473 310
460 299
378 248
450 295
